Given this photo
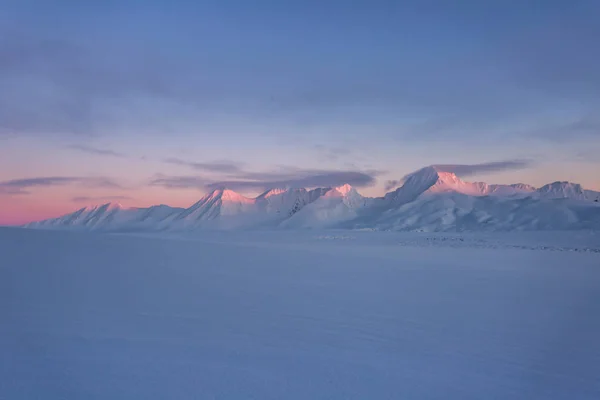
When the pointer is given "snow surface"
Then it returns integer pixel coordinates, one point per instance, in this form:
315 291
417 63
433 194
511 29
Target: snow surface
299 315
429 200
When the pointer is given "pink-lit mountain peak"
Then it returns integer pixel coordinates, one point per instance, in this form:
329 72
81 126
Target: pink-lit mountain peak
227 195
345 189
435 180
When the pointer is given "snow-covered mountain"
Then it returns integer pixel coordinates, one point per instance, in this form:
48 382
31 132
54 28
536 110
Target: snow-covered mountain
567 190
334 206
110 216
431 180
460 212
226 209
219 205
430 199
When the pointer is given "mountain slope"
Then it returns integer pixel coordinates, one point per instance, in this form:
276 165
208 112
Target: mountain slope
92 217
335 206
221 203
109 216
226 209
567 190
458 212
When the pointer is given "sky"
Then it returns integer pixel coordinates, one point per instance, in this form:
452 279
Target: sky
160 101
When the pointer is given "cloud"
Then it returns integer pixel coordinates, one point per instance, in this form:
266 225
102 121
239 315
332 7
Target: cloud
392 184
217 166
87 199
585 128
301 179
326 153
95 150
6 190
19 186
56 84
483 168
61 81
179 182
556 56
589 155
289 177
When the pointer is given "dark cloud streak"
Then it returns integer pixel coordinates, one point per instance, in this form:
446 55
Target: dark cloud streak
392 184
216 166
179 182
85 199
267 180
19 186
96 151
464 170
586 127
318 179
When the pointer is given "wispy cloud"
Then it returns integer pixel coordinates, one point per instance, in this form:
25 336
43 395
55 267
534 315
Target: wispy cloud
20 186
179 182
56 81
589 155
56 85
586 127
215 166
87 199
299 179
95 150
7 190
483 168
392 184
327 153
290 177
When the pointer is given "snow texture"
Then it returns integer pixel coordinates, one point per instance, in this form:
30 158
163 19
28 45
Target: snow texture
299 315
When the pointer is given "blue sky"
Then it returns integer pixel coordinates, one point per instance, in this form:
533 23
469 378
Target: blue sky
280 90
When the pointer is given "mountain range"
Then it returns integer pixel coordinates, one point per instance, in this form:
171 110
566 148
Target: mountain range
429 200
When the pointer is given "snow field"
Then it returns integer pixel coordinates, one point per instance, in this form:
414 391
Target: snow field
297 315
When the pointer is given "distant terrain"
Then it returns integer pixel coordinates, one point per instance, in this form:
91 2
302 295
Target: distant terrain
429 200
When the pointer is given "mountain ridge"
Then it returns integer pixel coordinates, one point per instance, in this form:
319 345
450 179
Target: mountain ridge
429 198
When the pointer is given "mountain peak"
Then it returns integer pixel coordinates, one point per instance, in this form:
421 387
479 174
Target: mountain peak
113 206
428 176
232 196
344 189
226 195
273 192
562 185
434 180
563 189
423 180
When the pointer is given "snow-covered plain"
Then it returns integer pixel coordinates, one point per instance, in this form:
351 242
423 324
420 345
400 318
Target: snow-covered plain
299 315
